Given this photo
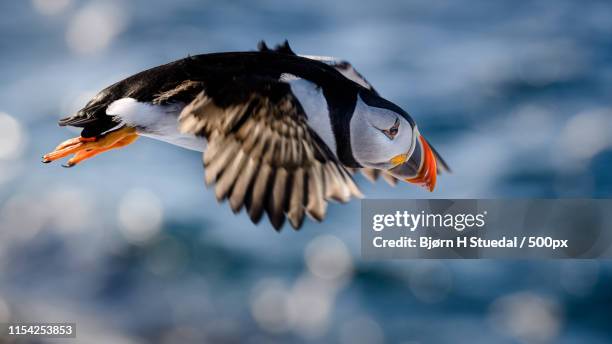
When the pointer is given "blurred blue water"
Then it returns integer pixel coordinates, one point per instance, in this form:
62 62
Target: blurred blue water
514 95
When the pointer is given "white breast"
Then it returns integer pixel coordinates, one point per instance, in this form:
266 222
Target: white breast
314 104
159 122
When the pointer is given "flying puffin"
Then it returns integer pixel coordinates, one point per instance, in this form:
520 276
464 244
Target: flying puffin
280 133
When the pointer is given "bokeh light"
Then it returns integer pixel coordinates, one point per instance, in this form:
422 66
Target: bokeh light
12 139
93 27
310 305
70 209
269 306
51 7
328 258
587 134
16 226
527 317
140 214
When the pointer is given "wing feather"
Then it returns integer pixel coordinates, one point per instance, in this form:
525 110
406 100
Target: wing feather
242 185
296 210
228 177
258 196
261 153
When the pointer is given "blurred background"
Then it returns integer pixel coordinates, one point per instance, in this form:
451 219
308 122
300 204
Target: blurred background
132 247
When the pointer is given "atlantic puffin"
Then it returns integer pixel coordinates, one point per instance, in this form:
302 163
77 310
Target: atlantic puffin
280 133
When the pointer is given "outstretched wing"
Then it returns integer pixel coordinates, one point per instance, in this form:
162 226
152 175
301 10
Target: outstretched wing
345 68
262 154
342 66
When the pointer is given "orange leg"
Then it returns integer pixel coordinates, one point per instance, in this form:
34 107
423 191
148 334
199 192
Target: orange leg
85 148
74 141
86 154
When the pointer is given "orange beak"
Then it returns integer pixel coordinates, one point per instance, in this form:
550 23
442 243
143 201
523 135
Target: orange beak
428 172
421 168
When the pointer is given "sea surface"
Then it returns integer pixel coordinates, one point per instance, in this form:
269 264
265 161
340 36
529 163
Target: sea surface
133 248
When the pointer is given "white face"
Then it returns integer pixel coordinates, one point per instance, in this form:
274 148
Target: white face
380 136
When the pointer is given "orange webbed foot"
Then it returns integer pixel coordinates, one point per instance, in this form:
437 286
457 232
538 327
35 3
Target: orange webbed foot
84 148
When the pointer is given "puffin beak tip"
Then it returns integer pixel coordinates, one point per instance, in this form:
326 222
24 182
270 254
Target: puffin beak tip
428 172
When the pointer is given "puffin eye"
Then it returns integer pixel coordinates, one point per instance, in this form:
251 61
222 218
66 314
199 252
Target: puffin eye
391 132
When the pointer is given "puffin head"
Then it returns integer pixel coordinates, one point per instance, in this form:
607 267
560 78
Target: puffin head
385 137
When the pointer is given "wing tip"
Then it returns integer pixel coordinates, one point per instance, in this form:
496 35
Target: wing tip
283 48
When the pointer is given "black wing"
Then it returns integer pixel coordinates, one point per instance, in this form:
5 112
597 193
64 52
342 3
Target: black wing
262 154
344 67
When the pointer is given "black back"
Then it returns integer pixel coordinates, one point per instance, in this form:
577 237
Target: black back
210 69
